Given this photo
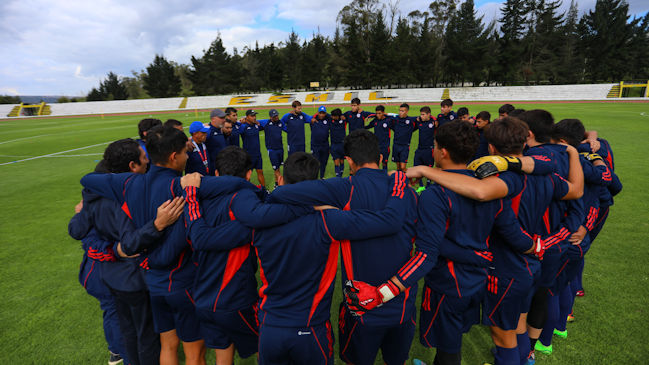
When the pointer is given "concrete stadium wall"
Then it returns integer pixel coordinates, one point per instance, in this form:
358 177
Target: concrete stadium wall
388 96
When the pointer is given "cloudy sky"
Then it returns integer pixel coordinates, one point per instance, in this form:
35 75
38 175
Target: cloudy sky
66 47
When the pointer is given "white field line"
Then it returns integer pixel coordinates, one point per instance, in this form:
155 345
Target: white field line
79 155
66 125
69 132
55 154
23 138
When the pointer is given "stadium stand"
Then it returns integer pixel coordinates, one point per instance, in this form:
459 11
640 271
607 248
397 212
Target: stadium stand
386 96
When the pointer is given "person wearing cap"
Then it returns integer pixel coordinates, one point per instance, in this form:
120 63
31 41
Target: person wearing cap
215 141
337 135
320 124
198 159
249 132
273 128
294 127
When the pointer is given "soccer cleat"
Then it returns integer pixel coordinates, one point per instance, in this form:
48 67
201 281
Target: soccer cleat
570 318
420 189
547 350
561 334
115 359
580 293
531 358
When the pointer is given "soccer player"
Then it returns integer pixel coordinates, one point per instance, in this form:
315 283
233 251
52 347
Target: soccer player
294 127
505 110
174 123
198 159
482 121
596 176
355 118
221 229
295 298
447 114
447 224
171 270
142 129
320 126
463 114
506 305
403 127
249 132
231 136
337 136
424 152
382 125
215 141
123 276
391 327
273 129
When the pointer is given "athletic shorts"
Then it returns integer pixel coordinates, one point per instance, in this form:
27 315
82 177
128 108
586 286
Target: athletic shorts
337 151
321 153
276 158
222 329
424 157
293 345
296 148
257 162
359 343
385 153
443 319
400 153
506 299
552 261
176 311
572 264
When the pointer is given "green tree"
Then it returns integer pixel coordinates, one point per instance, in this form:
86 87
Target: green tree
511 48
9 99
95 95
112 88
160 79
606 36
216 72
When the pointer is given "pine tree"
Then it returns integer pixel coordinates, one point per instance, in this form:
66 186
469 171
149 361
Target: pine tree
510 50
214 73
160 79
112 88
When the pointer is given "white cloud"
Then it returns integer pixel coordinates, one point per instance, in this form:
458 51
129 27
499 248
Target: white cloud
66 47
9 91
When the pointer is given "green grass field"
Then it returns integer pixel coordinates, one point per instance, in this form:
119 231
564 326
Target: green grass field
47 318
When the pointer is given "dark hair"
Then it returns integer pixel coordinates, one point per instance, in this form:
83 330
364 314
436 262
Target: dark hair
462 111
362 147
379 108
404 105
507 135
356 101
162 141
295 103
516 113
229 110
119 154
540 123
233 161
572 130
425 109
172 123
101 167
484 115
446 102
460 139
336 112
300 166
229 122
146 124
506 108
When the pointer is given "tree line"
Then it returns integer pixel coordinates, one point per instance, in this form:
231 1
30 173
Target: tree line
374 46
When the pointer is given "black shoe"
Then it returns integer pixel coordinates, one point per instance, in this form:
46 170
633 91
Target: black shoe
115 359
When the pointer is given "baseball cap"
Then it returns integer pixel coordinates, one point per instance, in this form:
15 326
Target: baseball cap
217 113
250 112
198 127
322 109
273 113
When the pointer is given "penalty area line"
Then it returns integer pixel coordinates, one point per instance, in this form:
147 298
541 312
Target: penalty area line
54 154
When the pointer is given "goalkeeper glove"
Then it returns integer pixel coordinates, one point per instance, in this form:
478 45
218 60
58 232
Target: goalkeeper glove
591 156
361 297
539 247
491 165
